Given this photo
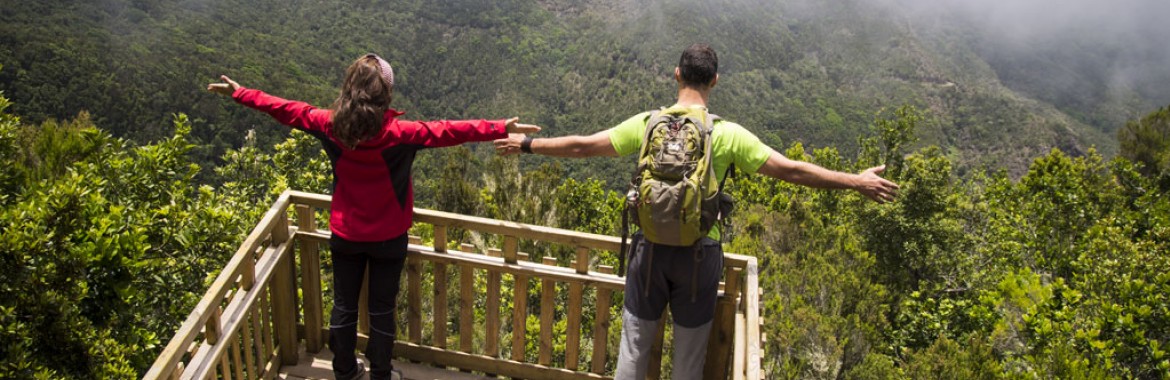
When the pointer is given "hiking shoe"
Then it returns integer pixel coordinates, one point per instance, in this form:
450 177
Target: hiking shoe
396 375
358 371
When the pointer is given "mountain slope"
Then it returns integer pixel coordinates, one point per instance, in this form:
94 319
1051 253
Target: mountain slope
796 70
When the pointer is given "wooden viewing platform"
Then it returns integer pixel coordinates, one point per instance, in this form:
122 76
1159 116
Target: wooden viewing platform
264 316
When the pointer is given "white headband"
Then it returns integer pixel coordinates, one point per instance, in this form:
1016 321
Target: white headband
387 71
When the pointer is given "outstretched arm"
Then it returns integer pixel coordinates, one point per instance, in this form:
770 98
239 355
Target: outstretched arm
443 133
868 183
597 144
292 113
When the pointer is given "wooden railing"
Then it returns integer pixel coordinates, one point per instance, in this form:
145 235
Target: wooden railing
252 320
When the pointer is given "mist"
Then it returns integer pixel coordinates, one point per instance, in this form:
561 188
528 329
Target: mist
1124 45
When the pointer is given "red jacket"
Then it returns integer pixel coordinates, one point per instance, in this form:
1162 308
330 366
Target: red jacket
373 199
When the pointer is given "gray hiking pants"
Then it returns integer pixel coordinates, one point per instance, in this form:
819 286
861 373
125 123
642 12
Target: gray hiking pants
690 349
686 279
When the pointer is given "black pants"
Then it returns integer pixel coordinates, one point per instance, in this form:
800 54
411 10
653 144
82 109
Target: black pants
350 259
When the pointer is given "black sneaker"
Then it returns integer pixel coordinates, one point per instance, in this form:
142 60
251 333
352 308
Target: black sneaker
358 371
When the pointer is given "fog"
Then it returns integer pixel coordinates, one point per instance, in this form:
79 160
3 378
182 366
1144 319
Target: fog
1123 43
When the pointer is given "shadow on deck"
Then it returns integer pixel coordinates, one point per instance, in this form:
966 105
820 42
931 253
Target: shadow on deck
263 317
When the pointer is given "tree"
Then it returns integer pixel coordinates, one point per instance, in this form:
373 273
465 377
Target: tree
1147 141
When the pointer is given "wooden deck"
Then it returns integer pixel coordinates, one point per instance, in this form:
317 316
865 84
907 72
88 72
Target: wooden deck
518 316
319 366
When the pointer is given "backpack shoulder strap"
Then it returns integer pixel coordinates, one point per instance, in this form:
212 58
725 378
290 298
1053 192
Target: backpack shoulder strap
729 173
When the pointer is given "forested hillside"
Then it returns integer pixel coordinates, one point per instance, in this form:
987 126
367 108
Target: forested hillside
1017 250
797 70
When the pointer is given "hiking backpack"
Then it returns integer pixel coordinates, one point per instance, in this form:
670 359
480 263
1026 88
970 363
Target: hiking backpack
674 197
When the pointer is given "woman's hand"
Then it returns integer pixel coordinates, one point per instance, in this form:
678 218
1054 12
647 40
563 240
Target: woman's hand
514 127
227 88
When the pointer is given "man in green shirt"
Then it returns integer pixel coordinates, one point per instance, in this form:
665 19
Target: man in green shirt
690 285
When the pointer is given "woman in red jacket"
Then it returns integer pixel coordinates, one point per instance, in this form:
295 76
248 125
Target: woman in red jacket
372 152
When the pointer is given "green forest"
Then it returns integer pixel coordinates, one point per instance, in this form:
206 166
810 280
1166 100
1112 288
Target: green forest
1030 239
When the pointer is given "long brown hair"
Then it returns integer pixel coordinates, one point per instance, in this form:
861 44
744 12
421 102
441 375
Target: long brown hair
364 98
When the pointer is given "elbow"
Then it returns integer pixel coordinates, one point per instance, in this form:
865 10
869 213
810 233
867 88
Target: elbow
578 152
578 149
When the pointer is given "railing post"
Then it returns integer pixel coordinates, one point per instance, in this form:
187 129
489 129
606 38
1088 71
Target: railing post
211 330
601 325
548 289
439 305
440 238
281 290
723 329
311 281
491 339
510 249
573 340
520 311
466 304
414 299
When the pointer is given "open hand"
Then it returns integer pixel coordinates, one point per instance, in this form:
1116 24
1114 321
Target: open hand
227 88
875 187
514 127
509 145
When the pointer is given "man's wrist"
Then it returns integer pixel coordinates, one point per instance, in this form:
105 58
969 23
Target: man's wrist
526 145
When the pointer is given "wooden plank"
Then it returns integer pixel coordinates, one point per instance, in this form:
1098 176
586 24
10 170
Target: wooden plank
525 231
511 247
247 274
739 362
266 322
547 306
235 314
248 346
487 364
211 331
225 368
581 264
519 316
440 305
492 316
601 325
311 280
283 308
753 322
280 232
478 261
272 367
719 345
491 226
573 340
466 307
440 238
414 299
257 339
237 360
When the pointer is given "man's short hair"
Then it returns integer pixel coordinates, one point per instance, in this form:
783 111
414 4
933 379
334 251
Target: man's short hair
698 65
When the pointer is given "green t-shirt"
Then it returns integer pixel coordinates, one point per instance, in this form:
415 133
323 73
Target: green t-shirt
731 143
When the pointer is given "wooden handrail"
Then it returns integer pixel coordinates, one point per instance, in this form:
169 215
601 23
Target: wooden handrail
186 334
251 321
